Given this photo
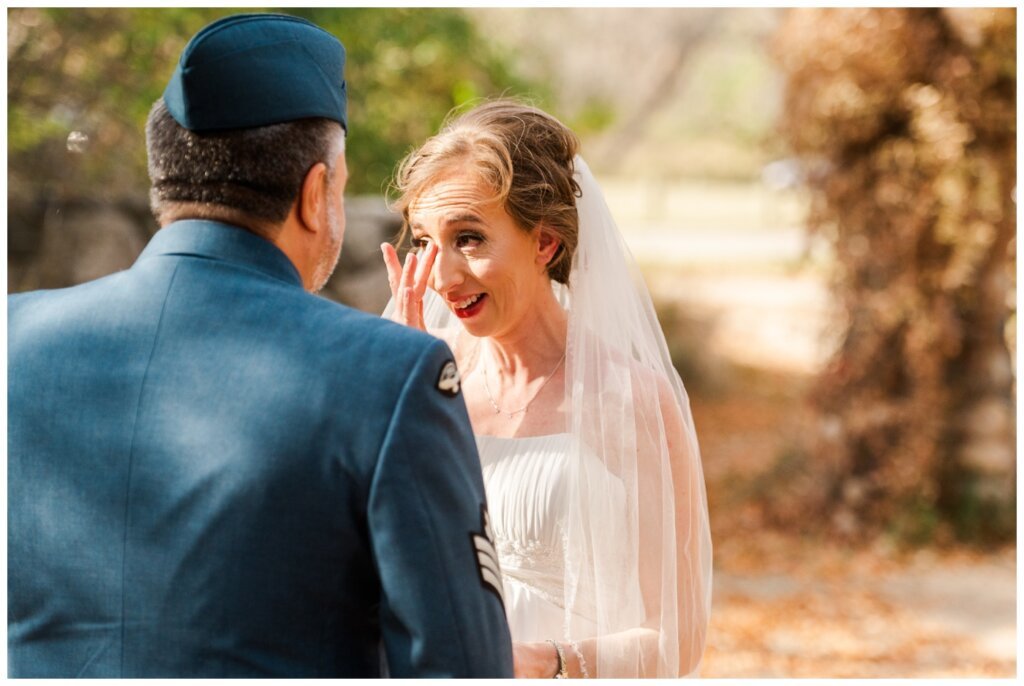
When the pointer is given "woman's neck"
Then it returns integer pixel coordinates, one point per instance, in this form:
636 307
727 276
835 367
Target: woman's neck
534 345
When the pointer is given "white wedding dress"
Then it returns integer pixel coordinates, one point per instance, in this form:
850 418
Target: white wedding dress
525 480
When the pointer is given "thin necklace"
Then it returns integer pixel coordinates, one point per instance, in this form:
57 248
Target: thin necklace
511 415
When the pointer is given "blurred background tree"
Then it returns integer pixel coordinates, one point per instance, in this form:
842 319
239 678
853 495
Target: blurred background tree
660 94
92 74
905 123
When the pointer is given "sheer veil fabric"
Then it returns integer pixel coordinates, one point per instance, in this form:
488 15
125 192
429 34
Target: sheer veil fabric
645 582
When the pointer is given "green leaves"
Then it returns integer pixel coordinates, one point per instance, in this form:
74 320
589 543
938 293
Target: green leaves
98 71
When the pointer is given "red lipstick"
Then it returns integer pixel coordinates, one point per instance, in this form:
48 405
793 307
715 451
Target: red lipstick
472 310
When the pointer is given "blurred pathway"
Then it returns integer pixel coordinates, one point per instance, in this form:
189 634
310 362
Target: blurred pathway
734 256
772 321
837 613
668 245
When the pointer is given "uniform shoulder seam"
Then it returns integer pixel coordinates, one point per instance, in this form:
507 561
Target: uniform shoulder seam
131 457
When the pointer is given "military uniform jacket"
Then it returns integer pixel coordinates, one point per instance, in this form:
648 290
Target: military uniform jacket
212 472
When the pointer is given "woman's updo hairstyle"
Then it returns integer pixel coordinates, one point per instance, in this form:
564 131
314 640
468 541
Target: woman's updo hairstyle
524 154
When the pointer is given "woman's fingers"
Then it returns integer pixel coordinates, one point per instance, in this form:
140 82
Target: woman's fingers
409 271
394 267
426 265
408 282
408 287
409 307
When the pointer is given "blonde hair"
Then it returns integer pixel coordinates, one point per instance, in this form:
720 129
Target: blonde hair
523 153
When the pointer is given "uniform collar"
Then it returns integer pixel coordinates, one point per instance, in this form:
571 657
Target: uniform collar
218 241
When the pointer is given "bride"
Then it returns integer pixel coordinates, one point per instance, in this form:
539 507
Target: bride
587 444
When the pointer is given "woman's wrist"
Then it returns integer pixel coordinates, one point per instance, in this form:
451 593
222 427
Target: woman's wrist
559 670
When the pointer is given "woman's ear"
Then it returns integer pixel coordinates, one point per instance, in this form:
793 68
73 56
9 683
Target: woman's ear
548 244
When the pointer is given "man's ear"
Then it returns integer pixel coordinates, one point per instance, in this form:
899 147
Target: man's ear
313 199
548 244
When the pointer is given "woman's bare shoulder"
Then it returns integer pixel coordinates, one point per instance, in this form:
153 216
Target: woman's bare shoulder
613 359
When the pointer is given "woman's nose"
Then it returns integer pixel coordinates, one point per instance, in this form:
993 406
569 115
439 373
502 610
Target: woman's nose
447 271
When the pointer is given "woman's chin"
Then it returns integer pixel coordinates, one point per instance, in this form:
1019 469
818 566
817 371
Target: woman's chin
476 328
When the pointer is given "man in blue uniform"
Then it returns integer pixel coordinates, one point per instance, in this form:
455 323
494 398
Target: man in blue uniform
213 472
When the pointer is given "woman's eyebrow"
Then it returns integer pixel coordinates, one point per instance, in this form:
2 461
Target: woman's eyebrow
460 218
463 218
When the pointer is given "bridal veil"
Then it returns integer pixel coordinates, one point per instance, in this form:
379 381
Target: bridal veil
645 582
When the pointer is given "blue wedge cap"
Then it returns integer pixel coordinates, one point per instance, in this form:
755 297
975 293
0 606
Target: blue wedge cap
251 70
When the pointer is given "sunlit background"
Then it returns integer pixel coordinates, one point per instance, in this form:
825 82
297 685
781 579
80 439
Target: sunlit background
824 206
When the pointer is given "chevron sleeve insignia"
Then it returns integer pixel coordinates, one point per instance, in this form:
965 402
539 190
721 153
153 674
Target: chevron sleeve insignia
487 557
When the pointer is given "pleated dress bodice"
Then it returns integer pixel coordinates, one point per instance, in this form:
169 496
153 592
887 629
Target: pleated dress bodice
528 486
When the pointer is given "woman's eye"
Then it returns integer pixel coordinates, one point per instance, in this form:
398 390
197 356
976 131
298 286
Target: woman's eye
419 244
468 240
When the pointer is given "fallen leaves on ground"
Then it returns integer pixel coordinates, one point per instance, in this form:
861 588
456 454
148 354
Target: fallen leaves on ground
787 605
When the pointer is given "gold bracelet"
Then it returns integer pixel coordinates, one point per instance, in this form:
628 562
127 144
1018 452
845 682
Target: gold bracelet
561 673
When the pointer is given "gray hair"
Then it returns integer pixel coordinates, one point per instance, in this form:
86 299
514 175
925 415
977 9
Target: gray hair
249 177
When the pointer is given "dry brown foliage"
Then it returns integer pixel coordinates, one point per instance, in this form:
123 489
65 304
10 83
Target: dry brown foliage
905 123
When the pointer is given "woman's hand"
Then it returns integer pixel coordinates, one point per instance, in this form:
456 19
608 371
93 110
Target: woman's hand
537 660
409 283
